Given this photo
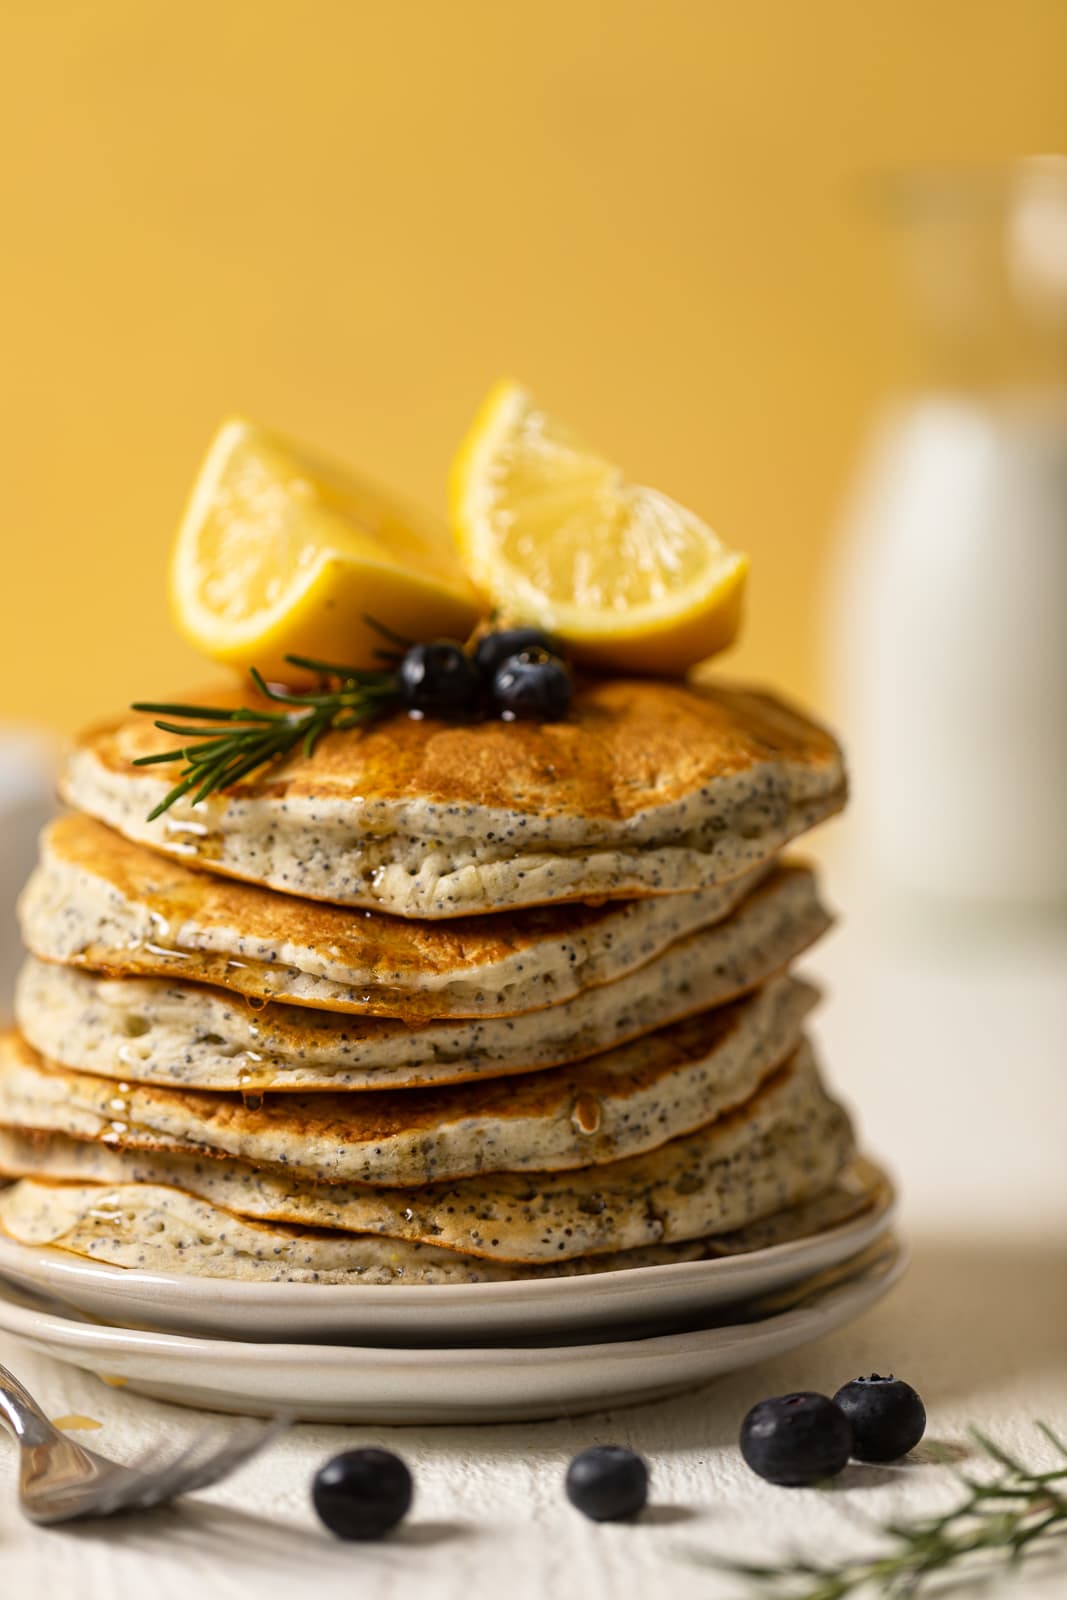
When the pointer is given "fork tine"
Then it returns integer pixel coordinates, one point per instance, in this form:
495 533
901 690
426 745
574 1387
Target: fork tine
146 1481
229 1456
192 1469
176 1477
182 1474
62 1481
151 1480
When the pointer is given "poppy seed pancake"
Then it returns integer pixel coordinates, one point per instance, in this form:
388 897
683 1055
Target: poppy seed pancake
647 788
614 1105
789 1144
158 1228
97 901
151 1030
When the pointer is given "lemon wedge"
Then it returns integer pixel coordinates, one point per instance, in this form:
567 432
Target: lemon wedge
551 532
280 552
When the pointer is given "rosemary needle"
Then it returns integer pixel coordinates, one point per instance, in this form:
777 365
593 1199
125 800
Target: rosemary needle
1005 1516
221 746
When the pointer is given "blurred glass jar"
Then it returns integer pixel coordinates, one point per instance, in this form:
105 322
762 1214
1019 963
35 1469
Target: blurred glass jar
948 632
28 762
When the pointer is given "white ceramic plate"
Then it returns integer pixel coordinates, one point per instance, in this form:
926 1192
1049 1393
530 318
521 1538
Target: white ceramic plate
332 1383
465 1313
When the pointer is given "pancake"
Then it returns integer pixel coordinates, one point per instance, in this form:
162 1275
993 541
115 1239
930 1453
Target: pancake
73 1219
99 902
788 1144
612 1106
159 1229
647 788
150 1030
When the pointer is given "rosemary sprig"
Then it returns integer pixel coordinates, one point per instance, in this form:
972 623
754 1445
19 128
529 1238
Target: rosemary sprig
227 745
1005 1516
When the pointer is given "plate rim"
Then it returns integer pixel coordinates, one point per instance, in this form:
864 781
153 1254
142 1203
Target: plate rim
87 1337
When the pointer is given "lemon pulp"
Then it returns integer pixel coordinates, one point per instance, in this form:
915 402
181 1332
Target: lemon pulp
282 552
550 531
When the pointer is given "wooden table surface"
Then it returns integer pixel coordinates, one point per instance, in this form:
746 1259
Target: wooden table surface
951 1044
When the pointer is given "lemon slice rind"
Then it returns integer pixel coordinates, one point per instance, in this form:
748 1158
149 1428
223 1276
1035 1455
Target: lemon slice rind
551 532
281 553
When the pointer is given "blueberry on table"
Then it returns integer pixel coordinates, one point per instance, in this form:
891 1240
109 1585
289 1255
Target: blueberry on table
796 1439
493 649
533 684
361 1494
607 1482
888 1418
438 679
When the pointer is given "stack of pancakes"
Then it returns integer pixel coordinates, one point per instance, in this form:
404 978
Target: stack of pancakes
435 1003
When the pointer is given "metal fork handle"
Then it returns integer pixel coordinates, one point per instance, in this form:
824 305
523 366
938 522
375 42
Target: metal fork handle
22 1414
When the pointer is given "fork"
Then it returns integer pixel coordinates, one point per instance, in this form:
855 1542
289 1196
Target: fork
60 1481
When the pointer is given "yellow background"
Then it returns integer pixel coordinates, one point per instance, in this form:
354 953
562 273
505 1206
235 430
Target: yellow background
346 217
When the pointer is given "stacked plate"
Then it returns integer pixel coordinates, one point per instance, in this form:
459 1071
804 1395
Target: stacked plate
454 1353
383 1083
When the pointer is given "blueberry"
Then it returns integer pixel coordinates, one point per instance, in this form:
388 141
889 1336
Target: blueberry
888 1418
361 1494
493 649
796 1438
607 1483
533 683
438 679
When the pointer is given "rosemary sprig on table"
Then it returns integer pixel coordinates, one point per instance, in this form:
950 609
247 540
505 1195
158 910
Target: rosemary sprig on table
227 745
1004 1516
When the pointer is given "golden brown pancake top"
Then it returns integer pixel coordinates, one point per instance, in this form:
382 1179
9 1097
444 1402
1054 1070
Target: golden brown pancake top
627 746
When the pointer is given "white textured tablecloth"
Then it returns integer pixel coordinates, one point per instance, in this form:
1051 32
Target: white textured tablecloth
953 1046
